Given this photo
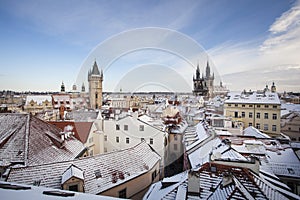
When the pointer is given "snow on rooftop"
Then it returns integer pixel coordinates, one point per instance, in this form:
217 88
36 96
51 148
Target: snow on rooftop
7 191
244 185
251 131
157 191
72 171
131 163
283 162
201 133
31 141
254 98
39 99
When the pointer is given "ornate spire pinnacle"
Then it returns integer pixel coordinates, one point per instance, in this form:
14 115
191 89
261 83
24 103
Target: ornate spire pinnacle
95 70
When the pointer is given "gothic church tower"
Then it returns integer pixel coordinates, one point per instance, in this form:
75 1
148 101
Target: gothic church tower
95 78
209 80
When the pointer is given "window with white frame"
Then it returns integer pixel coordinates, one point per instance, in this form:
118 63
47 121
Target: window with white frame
266 127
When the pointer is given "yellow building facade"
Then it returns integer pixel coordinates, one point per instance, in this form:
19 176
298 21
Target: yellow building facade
258 109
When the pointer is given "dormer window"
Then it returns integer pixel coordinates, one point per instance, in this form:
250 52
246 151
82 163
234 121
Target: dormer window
98 173
72 179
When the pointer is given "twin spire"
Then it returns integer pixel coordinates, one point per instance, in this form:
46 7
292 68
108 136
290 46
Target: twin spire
207 75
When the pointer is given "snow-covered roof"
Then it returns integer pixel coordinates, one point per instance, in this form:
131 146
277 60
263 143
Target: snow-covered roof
31 141
195 136
83 116
61 97
39 99
214 149
131 163
254 98
178 186
244 184
251 131
250 148
157 123
15 191
284 162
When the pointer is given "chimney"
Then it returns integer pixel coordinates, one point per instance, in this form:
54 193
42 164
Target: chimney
193 184
135 114
62 136
226 179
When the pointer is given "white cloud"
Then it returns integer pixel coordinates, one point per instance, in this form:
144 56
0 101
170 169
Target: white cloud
254 64
287 20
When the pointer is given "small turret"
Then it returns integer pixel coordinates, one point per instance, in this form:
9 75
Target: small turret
74 87
82 88
273 87
62 87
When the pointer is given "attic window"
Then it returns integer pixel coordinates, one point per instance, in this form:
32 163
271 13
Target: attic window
36 182
98 173
291 171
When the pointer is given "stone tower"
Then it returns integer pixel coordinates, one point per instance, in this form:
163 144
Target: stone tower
95 78
209 80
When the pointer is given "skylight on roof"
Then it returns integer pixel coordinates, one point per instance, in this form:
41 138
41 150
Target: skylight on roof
98 173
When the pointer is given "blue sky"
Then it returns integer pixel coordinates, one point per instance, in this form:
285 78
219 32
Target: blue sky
251 43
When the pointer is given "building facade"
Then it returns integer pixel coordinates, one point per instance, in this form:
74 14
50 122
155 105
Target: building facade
258 109
38 103
95 78
290 125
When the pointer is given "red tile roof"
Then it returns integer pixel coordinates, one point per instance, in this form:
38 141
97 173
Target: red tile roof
81 129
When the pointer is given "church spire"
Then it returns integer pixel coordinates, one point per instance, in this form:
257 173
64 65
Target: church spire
95 70
207 70
198 71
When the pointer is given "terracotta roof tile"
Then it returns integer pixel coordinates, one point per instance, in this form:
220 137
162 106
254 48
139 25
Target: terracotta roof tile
81 129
